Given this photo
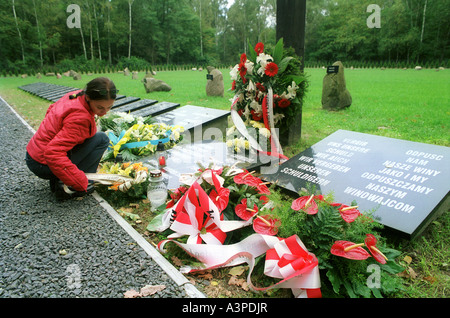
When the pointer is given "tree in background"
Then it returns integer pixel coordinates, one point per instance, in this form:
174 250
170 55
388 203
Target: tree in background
34 34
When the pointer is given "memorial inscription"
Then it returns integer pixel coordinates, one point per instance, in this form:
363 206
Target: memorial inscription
405 183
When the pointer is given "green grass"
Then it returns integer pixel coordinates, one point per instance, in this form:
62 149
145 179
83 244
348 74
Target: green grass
404 104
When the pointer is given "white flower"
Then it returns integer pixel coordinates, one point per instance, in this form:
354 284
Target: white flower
263 59
292 90
265 132
249 66
231 130
256 106
234 72
251 86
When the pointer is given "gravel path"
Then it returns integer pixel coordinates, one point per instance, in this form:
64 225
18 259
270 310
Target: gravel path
65 249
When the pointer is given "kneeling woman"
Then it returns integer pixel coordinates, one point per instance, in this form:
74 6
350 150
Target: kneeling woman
67 144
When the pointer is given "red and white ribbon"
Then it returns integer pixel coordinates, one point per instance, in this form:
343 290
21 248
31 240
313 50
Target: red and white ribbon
268 117
196 215
286 259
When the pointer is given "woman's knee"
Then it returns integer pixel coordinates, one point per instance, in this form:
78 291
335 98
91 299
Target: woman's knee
102 139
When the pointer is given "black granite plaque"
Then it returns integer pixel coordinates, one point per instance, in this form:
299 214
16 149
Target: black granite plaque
332 69
197 120
135 105
184 159
155 109
406 183
124 101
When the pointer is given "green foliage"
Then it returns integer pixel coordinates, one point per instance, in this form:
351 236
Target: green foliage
340 276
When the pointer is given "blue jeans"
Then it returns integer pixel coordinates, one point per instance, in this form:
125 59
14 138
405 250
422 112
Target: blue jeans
85 156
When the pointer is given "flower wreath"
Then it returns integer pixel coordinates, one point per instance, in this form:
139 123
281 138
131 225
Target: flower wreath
269 89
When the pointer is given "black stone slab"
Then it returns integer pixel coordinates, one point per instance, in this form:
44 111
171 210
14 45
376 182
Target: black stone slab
60 91
156 109
406 183
135 106
196 120
35 88
124 101
184 159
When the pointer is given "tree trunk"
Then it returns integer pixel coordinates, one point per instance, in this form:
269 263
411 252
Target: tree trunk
98 35
90 30
18 30
39 33
130 3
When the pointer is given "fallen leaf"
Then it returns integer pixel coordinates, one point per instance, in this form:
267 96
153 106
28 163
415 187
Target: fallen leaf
176 261
407 259
430 279
408 273
238 282
237 270
150 290
214 283
131 294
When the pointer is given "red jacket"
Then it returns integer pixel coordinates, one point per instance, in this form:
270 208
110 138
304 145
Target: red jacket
67 123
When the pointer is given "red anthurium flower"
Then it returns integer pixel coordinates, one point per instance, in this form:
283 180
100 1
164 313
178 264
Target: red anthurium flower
262 188
265 224
271 69
283 103
259 48
244 178
306 204
349 250
244 212
349 213
175 196
370 242
220 199
264 199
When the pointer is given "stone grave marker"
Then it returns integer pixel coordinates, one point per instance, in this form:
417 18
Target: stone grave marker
135 105
335 95
155 109
405 183
184 159
197 120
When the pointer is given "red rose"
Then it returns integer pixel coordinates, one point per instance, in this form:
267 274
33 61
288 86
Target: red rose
271 69
283 103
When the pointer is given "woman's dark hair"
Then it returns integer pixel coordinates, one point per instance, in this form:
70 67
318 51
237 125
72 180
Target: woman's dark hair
100 88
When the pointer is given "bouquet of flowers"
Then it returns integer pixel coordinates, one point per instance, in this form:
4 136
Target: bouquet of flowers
119 121
142 140
231 216
269 89
122 181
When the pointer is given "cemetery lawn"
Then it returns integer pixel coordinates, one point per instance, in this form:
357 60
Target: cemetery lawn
403 104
